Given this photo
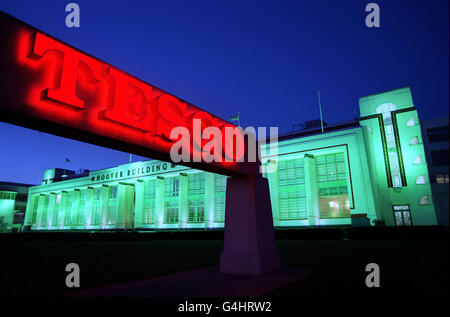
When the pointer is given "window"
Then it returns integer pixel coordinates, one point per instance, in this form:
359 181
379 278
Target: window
418 160
98 193
196 183
113 192
21 197
7 196
402 215
196 211
331 167
439 134
95 216
172 186
334 202
442 179
411 122
111 210
391 143
292 193
439 157
82 207
171 212
219 208
56 211
18 217
421 180
332 182
424 200
149 201
220 185
68 213
45 211
414 140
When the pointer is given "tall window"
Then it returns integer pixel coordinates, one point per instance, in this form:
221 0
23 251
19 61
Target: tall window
56 211
220 185
196 193
45 211
82 207
332 183
171 212
34 210
172 191
68 214
196 211
172 187
292 194
149 201
386 111
112 203
402 215
95 217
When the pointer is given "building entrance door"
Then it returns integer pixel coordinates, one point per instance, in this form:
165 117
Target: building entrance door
402 215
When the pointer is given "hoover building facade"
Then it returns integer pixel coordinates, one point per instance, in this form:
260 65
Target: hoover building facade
370 171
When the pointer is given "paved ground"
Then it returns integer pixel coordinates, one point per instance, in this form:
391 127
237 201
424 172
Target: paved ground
408 267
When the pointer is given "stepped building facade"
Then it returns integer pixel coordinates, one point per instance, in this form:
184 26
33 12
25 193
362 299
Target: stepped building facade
370 171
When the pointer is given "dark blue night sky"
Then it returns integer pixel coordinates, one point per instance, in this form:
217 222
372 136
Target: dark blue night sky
265 59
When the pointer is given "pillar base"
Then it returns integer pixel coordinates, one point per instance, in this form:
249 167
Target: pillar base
249 238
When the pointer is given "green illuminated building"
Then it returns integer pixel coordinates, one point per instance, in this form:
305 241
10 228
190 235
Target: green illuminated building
371 171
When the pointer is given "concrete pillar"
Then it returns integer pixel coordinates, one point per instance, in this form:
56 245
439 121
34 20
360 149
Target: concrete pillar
209 199
159 202
51 211
89 202
125 206
40 209
62 210
183 201
139 203
31 203
104 206
249 238
312 191
274 194
75 208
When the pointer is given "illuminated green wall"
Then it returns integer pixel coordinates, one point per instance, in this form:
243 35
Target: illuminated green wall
354 175
410 155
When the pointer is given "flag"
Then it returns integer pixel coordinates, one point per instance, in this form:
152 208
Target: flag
67 160
235 118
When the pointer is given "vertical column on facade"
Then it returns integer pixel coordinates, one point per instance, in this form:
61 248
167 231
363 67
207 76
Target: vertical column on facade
89 203
104 206
62 210
183 201
39 211
31 203
139 203
159 202
272 177
75 208
209 199
51 211
312 192
125 206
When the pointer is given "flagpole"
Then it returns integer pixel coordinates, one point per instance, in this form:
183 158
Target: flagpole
320 110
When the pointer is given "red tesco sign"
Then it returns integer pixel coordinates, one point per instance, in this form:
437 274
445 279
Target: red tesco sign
52 86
